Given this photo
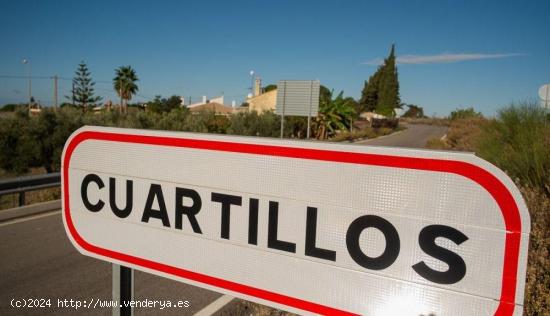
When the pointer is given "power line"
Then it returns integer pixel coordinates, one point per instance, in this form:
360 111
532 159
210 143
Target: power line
25 77
146 97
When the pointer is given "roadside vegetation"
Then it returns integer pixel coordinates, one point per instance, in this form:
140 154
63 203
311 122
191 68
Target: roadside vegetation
36 141
33 144
518 142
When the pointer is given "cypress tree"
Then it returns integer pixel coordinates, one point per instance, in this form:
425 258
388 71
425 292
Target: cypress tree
388 96
371 91
381 92
83 87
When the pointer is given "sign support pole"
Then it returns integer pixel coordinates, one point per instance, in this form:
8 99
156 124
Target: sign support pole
123 290
308 126
283 116
547 97
309 114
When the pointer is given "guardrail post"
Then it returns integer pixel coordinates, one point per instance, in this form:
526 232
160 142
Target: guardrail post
123 290
21 198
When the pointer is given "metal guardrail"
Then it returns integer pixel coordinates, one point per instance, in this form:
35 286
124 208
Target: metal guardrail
24 184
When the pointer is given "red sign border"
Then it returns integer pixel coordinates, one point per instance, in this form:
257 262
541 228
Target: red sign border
502 196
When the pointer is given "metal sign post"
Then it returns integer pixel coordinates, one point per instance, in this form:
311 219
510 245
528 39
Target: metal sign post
283 114
309 113
123 290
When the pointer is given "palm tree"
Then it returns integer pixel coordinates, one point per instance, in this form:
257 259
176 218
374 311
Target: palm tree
125 85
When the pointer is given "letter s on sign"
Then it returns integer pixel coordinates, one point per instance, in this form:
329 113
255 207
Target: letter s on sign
457 266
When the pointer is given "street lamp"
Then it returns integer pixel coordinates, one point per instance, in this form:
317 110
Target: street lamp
27 62
251 83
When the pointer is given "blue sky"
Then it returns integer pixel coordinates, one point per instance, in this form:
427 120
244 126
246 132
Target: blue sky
484 54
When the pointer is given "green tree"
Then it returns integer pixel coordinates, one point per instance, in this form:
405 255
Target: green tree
388 93
381 92
18 151
414 111
464 114
10 107
369 95
125 85
172 102
325 95
45 126
163 105
355 105
83 88
270 87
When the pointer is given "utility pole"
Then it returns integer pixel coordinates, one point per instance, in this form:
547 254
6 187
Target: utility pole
28 63
55 92
73 94
251 83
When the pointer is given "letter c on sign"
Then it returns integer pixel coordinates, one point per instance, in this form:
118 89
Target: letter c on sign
387 258
84 192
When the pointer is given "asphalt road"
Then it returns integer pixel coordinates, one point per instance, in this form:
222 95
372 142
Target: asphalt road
37 261
414 136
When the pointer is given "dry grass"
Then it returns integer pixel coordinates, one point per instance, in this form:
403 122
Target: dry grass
12 200
365 133
438 143
537 289
463 135
245 308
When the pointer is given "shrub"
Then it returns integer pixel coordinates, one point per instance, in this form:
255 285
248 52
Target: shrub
28 141
253 124
518 141
464 114
464 134
18 152
174 120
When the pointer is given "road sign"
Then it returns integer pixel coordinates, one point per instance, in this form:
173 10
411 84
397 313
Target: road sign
297 97
308 227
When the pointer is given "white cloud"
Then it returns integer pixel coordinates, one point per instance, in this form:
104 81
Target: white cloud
441 58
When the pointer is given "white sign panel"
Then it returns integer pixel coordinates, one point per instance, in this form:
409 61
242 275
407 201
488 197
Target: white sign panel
309 227
544 94
297 97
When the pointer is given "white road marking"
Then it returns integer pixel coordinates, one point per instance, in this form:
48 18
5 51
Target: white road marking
28 218
215 306
378 137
